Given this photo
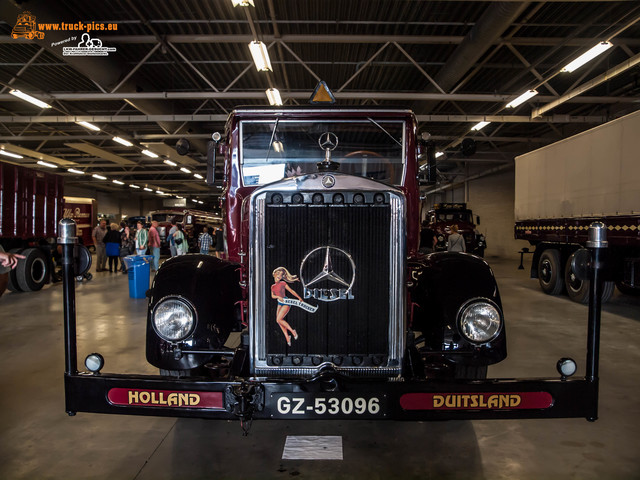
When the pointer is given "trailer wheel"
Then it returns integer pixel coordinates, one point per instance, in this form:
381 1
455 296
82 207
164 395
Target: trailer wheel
470 372
550 272
13 281
578 290
628 290
32 272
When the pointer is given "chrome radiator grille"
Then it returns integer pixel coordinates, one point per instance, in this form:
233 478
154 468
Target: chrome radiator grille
346 250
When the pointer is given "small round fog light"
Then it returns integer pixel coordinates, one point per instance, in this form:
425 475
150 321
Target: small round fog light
94 362
566 367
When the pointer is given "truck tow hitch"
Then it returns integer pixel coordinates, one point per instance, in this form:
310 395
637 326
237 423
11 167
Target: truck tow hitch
242 400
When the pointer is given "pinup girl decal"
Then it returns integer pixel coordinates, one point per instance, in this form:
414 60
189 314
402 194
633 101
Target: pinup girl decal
278 291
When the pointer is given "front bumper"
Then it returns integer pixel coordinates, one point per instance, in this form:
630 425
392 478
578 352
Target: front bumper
332 397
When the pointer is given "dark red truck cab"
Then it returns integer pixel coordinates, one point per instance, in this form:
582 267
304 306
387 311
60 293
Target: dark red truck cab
339 314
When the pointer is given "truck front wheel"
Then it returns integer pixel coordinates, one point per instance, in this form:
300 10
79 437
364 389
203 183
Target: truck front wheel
550 272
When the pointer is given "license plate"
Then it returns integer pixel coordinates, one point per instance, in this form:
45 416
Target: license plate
330 405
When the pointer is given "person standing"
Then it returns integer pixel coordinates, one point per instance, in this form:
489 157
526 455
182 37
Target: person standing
127 245
154 245
182 246
456 241
112 244
171 238
219 243
204 241
142 239
98 241
8 261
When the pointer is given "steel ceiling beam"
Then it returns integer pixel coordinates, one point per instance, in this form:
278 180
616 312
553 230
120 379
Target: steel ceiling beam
323 39
304 95
222 118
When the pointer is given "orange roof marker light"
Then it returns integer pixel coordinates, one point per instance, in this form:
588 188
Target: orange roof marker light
322 94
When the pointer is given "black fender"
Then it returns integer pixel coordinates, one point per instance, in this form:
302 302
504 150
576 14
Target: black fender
441 284
212 286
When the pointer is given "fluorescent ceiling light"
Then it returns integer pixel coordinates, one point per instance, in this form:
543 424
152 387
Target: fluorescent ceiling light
200 202
99 177
147 189
274 96
479 126
522 98
198 176
160 192
194 200
30 99
73 170
439 154
169 162
134 186
90 126
118 182
149 153
260 56
587 56
47 164
243 3
122 141
185 170
9 154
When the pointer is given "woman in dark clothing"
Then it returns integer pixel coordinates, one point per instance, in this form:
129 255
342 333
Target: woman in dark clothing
112 241
127 245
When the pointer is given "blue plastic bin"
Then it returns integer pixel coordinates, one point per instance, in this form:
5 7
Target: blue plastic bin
139 274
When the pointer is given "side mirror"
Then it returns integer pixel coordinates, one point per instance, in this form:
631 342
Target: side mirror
212 147
477 219
429 150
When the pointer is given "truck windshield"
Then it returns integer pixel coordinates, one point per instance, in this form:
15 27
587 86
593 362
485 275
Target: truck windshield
166 217
271 151
454 217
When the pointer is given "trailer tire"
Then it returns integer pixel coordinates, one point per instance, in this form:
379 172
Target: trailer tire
13 281
470 372
33 271
578 290
550 272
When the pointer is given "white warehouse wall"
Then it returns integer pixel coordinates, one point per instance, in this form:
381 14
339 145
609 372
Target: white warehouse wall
492 199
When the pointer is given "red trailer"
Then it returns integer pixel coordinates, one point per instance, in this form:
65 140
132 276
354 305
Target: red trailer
30 209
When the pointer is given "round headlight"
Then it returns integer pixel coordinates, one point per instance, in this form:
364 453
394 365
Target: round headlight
173 319
480 321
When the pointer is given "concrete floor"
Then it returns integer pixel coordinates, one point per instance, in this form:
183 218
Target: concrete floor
39 441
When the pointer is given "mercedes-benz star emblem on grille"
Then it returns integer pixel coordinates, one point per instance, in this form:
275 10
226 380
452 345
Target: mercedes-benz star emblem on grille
343 278
328 141
328 181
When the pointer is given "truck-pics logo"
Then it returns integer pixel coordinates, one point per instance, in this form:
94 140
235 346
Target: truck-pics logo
345 281
26 27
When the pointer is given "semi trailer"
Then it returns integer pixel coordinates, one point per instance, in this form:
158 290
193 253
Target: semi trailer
562 188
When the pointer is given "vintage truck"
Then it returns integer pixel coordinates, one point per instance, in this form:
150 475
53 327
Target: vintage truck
340 316
564 187
443 216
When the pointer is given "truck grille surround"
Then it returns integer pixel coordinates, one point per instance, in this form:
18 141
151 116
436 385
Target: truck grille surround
344 248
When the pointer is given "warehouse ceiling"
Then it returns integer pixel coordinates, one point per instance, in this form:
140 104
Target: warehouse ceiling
176 69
